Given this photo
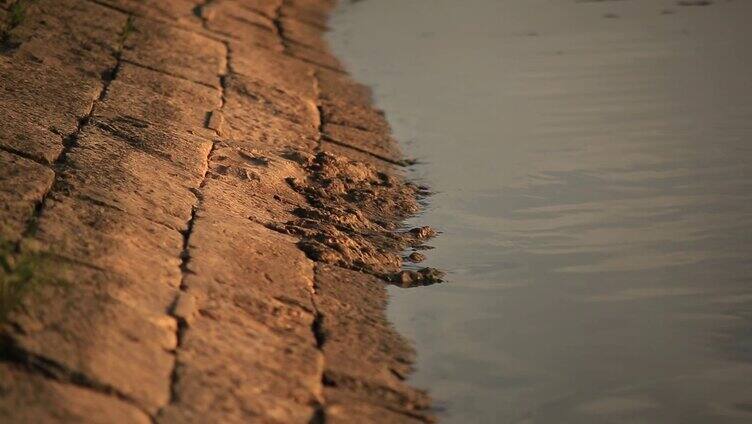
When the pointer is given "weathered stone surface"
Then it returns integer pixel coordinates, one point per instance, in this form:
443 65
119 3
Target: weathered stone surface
323 60
181 149
249 183
173 11
264 65
176 51
109 326
343 406
252 339
314 12
70 34
366 118
193 218
267 115
234 12
55 97
340 90
344 297
30 398
230 19
304 34
42 86
23 136
245 261
52 71
340 150
352 307
83 332
22 185
140 94
143 253
109 170
110 239
267 8
376 143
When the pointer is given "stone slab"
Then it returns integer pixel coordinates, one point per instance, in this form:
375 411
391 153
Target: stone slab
175 51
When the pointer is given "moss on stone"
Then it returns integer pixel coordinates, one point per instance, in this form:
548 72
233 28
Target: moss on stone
21 274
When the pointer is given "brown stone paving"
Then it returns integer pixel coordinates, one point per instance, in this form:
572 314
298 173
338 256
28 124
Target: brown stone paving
221 204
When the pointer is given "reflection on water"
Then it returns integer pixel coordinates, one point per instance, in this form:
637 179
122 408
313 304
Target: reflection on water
592 163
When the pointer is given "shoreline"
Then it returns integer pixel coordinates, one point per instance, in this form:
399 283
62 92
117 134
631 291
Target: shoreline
592 200
210 210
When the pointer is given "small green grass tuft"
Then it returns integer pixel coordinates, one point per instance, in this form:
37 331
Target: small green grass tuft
127 30
20 275
16 14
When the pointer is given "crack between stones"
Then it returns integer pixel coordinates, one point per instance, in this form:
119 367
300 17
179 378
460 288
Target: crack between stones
208 33
319 111
277 22
401 163
413 414
304 45
222 37
320 65
185 255
251 23
198 11
185 258
252 9
111 6
319 336
319 413
25 155
52 370
162 71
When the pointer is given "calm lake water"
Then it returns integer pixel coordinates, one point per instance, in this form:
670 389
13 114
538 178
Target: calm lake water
593 168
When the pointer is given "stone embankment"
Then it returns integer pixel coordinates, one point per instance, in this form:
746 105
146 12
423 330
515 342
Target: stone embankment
200 211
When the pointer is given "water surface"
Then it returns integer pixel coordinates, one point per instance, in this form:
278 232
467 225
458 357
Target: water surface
594 186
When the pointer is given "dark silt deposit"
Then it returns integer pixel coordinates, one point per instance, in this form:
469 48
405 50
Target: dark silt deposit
352 217
592 176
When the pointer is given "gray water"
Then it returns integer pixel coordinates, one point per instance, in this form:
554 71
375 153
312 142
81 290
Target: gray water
594 187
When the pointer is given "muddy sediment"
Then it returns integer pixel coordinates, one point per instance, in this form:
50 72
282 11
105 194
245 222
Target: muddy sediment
221 205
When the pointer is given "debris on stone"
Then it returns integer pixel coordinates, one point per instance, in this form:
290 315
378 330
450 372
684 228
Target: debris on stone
416 257
422 277
423 233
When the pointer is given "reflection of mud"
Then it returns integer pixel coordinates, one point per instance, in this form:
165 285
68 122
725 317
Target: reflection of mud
350 218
